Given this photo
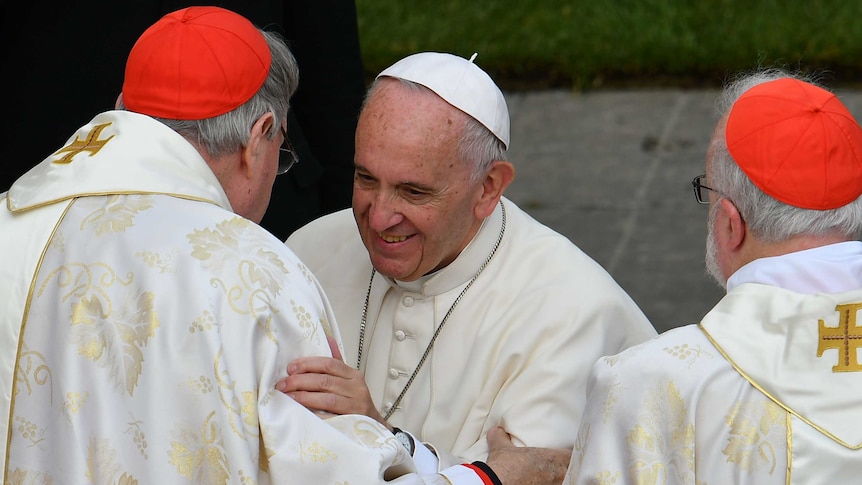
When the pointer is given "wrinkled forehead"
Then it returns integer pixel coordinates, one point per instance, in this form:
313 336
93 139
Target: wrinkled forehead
411 109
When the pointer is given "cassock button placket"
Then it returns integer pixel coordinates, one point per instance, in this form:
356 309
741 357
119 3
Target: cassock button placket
393 373
400 335
408 301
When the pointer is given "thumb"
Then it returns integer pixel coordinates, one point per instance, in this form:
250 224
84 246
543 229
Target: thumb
498 437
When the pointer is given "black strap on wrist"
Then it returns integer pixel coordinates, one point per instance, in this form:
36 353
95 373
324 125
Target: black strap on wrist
481 465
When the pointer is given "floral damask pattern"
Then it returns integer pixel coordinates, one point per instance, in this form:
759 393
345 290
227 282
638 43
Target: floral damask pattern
32 371
106 333
757 430
103 462
116 214
27 477
687 354
663 444
241 404
244 268
200 456
228 250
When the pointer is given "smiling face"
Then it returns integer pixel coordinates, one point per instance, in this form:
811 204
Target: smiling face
413 198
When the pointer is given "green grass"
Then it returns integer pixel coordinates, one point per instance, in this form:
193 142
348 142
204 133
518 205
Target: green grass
601 43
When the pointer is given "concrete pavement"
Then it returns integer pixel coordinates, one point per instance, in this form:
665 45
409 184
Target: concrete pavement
612 171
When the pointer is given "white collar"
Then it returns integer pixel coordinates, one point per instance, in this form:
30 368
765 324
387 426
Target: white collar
834 268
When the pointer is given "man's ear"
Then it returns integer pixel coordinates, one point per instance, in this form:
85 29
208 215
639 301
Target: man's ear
499 176
731 225
254 153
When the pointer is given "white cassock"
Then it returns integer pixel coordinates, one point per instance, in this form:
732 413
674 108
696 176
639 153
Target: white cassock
766 390
516 349
143 326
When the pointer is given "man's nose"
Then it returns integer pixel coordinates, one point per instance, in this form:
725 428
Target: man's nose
384 212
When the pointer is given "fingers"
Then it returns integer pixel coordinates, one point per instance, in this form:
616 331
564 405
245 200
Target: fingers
319 392
321 365
328 384
333 347
498 437
310 382
320 402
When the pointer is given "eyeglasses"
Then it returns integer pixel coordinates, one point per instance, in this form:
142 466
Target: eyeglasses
699 194
287 156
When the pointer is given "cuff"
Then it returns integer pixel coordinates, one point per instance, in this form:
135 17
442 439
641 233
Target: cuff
485 473
425 459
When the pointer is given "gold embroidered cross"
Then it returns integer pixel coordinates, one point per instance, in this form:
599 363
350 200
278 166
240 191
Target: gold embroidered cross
91 144
846 338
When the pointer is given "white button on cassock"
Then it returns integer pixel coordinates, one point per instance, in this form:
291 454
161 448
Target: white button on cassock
400 335
408 301
393 374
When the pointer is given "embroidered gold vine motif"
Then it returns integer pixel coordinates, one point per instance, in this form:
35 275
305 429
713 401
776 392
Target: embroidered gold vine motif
91 144
846 338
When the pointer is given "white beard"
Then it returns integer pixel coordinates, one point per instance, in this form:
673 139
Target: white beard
712 267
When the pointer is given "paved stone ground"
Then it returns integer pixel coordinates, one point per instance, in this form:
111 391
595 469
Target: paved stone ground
612 171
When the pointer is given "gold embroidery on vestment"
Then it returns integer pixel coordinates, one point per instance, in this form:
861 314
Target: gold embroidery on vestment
304 317
663 442
688 354
114 341
202 323
139 438
241 405
846 338
110 337
243 267
615 390
161 262
29 477
103 465
116 213
247 479
606 478
315 453
29 431
756 430
201 458
579 449
774 399
32 370
75 401
90 144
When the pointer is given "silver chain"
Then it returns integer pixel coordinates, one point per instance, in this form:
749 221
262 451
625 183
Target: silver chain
439 327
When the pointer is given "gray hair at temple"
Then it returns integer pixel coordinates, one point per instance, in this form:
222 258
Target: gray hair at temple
477 145
769 219
229 132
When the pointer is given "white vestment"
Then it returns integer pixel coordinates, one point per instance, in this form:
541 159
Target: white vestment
766 390
144 326
516 349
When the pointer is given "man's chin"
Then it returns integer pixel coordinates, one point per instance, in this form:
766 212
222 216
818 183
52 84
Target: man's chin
386 268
